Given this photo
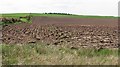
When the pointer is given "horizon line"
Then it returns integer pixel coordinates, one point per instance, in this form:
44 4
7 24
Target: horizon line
63 13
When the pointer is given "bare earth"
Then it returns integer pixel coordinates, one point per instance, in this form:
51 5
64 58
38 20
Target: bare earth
71 32
79 21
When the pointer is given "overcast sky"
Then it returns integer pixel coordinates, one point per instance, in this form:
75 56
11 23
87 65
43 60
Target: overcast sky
81 7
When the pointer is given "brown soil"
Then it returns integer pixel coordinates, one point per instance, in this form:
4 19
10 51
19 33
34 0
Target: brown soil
80 21
72 32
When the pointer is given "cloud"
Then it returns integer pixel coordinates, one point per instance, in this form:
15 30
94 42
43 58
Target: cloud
82 7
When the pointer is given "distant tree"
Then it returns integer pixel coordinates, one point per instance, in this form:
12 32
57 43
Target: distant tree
58 13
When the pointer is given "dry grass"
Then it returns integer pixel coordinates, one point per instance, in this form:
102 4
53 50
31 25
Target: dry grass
42 54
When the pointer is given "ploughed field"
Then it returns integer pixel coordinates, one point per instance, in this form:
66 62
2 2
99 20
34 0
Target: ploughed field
71 32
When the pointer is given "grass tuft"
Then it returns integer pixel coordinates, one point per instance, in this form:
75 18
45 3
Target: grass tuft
41 53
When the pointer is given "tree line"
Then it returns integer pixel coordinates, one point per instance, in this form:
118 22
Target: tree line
59 13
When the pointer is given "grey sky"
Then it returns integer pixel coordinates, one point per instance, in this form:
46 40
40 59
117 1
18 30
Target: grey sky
81 7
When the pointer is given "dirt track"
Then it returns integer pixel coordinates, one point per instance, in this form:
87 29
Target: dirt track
73 32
